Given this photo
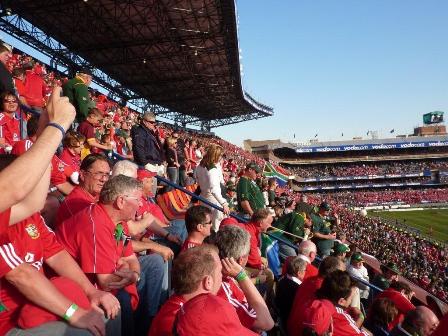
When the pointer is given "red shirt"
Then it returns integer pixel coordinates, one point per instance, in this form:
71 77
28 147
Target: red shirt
35 89
9 128
68 158
311 271
9 258
21 147
188 244
305 294
87 129
401 302
77 200
231 292
89 237
162 325
59 171
34 242
153 209
344 325
254 259
20 86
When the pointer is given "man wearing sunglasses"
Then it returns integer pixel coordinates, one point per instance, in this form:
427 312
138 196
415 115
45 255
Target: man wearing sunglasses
147 146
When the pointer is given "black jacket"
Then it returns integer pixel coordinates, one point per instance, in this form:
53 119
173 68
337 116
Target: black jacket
146 146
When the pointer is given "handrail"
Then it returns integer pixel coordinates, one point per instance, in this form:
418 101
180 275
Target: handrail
243 220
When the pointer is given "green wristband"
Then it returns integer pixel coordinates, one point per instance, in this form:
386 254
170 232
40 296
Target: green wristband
241 276
70 311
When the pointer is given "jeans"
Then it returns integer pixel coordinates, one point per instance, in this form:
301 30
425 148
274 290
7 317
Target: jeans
113 328
173 176
153 273
127 314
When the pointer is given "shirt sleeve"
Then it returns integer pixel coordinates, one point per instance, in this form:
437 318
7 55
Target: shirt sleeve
48 238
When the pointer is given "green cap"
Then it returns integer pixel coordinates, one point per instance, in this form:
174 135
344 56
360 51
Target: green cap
357 256
341 248
254 166
325 206
391 266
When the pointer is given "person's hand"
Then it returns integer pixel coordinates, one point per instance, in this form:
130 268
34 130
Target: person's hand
127 277
165 252
90 320
226 209
59 110
105 300
174 239
231 267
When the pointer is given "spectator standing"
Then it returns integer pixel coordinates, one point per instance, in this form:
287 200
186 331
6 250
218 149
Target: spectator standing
249 195
322 231
35 88
9 123
6 82
87 128
76 89
147 146
172 161
209 177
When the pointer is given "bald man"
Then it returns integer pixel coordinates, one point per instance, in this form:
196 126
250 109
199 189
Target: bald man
307 251
420 321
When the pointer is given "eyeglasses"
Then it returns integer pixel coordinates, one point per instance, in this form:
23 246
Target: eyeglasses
99 175
148 121
10 101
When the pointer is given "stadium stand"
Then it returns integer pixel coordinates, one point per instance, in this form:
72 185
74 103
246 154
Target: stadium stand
405 178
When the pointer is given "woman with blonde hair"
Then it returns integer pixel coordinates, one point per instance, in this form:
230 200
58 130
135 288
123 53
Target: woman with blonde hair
209 177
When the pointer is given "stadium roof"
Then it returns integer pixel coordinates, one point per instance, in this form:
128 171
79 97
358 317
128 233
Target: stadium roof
182 56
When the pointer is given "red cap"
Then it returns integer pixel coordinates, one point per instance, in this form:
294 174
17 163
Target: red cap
143 173
318 316
209 315
230 221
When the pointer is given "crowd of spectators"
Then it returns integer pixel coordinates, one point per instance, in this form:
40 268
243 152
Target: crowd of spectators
368 168
112 244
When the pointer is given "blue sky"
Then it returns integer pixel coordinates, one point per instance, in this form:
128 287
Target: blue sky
342 66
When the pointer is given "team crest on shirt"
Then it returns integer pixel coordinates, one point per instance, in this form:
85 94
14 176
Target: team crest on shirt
32 231
29 258
61 167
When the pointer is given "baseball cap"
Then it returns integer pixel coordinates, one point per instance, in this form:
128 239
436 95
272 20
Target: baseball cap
254 166
318 316
391 266
357 256
149 116
325 206
143 173
209 315
341 248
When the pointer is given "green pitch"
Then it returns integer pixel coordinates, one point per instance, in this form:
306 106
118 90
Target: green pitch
422 220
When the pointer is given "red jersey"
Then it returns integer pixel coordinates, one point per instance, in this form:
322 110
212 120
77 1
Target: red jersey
344 325
9 256
77 200
188 244
162 325
59 171
153 209
231 292
9 128
305 294
311 271
254 259
21 147
74 161
35 89
34 242
89 237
